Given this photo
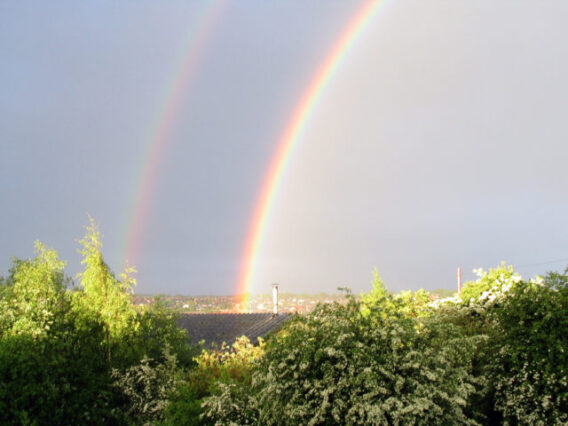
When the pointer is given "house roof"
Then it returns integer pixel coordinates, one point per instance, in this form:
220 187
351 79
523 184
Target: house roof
224 327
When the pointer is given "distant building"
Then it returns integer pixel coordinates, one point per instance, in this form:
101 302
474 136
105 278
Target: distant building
214 329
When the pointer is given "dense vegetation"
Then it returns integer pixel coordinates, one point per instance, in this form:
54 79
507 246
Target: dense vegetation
496 354
83 355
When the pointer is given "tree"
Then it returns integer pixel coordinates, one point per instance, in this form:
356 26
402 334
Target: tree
338 365
50 372
33 293
359 363
104 297
497 279
378 296
530 370
158 328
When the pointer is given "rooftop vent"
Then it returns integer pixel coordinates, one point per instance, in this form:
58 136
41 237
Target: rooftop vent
275 299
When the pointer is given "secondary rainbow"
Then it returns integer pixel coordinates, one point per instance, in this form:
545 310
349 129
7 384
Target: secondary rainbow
292 136
162 126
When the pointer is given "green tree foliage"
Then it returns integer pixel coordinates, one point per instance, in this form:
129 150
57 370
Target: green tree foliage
105 298
522 362
339 365
415 304
378 296
499 357
487 281
50 373
556 280
409 303
77 356
226 373
496 354
145 388
157 329
531 365
33 295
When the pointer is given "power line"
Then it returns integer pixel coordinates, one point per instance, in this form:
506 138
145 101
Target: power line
543 263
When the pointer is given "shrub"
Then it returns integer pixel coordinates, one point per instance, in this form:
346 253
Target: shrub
339 365
50 372
158 328
145 388
523 362
58 346
218 389
499 280
531 365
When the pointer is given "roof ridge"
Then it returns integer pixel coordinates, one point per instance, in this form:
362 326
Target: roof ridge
273 320
223 326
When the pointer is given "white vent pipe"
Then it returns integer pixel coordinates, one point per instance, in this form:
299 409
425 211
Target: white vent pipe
275 299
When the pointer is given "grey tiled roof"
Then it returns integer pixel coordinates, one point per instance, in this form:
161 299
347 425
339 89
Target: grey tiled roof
222 327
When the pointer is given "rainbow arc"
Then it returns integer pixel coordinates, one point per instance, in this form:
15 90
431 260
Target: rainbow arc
291 138
160 134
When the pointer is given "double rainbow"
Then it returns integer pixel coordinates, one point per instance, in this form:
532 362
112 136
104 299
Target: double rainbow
291 137
156 144
161 130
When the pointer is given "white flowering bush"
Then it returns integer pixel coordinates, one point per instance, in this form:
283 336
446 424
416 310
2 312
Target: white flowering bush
531 365
218 390
522 364
490 286
499 355
145 388
342 365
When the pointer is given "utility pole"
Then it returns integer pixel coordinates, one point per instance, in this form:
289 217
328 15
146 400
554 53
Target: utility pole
275 299
459 280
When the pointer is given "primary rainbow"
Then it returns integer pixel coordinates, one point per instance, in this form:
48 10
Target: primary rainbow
162 127
292 135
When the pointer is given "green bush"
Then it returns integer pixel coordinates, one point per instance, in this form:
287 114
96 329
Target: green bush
145 388
353 364
58 346
523 363
496 354
531 366
184 405
496 280
222 377
338 366
158 328
50 372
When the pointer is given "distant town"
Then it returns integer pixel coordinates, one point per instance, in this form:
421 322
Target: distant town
256 303
287 302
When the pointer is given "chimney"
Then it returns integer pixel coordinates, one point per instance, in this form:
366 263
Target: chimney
459 280
275 299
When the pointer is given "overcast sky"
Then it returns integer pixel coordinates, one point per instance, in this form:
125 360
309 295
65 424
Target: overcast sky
440 142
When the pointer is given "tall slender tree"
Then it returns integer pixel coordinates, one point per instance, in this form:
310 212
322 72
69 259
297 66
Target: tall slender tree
104 296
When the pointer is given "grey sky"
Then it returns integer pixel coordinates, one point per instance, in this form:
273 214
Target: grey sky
440 141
